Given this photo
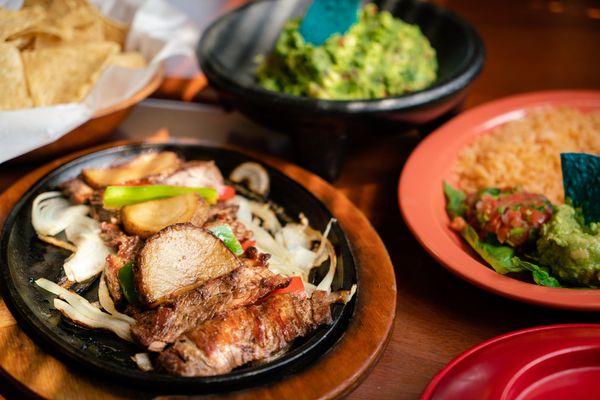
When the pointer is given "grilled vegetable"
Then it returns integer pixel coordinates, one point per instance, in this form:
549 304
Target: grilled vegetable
253 175
296 287
226 235
147 218
141 167
119 196
178 259
127 283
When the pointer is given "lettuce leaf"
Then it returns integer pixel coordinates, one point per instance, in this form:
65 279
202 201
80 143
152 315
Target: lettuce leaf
541 276
499 257
455 201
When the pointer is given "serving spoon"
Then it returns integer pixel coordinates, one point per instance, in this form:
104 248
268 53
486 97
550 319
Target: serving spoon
325 18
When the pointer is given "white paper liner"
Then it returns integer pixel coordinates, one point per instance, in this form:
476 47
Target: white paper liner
157 30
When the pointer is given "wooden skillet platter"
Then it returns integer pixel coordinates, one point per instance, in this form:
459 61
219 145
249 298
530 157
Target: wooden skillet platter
331 376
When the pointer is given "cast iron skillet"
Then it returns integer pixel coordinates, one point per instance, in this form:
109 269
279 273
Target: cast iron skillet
24 258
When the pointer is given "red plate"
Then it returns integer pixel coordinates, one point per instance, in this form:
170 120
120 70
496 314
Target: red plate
551 363
422 199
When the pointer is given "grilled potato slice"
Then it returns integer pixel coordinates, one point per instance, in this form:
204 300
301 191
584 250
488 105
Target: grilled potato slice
147 218
178 259
142 166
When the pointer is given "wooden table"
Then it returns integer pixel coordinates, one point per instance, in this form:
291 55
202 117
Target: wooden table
532 45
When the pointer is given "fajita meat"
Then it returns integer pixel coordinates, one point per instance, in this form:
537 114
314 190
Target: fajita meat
98 212
247 334
225 212
126 248
77 190
156 328
192 174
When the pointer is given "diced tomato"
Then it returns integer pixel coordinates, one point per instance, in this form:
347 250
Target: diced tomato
247 244
296 286
226 193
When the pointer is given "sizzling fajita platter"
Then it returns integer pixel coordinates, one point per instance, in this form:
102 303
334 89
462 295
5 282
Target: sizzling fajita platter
185 265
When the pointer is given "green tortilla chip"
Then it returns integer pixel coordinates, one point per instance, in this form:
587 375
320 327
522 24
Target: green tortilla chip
581 181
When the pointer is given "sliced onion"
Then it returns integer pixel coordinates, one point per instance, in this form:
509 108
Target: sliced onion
244 215
58 243
290 245
51 213
352 293
88 261
107 303
254 174
143 361
294 236
83 312
103 321
327 248
264 212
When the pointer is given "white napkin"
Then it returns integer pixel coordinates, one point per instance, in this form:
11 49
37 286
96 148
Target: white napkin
157 30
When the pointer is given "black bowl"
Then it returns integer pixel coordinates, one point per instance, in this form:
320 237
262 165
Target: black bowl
23 258
228 49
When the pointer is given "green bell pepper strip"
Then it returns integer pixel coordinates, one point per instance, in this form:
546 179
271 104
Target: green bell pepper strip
226 235
119 196
127 283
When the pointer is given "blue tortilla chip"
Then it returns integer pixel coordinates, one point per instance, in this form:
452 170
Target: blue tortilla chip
324 18
581 181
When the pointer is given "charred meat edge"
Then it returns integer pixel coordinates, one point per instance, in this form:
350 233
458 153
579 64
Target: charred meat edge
247 334
156 328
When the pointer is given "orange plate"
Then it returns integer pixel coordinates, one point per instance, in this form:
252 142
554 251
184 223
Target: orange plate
423 206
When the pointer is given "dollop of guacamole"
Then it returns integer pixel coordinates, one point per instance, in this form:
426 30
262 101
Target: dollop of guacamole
570 248
379 56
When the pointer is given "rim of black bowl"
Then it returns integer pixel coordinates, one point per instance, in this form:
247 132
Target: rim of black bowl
468 71
296 359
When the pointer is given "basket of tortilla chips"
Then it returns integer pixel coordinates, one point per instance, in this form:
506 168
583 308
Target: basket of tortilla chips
54 55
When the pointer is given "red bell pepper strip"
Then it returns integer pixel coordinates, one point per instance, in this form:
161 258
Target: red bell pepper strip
296 286
247 244
226 193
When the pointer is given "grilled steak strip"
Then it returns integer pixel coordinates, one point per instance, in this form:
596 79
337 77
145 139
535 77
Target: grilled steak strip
225 212
77 190
155 328
246 334
126 247
98 212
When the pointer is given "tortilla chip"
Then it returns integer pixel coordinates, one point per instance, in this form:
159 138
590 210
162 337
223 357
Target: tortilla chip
13 22
114 31
65 74
12 80
86 34
41 3
43 41
129 59
22 42
72 13
45 27
93 32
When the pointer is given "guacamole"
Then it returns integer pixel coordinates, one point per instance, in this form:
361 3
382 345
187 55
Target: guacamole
379 56
570 248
